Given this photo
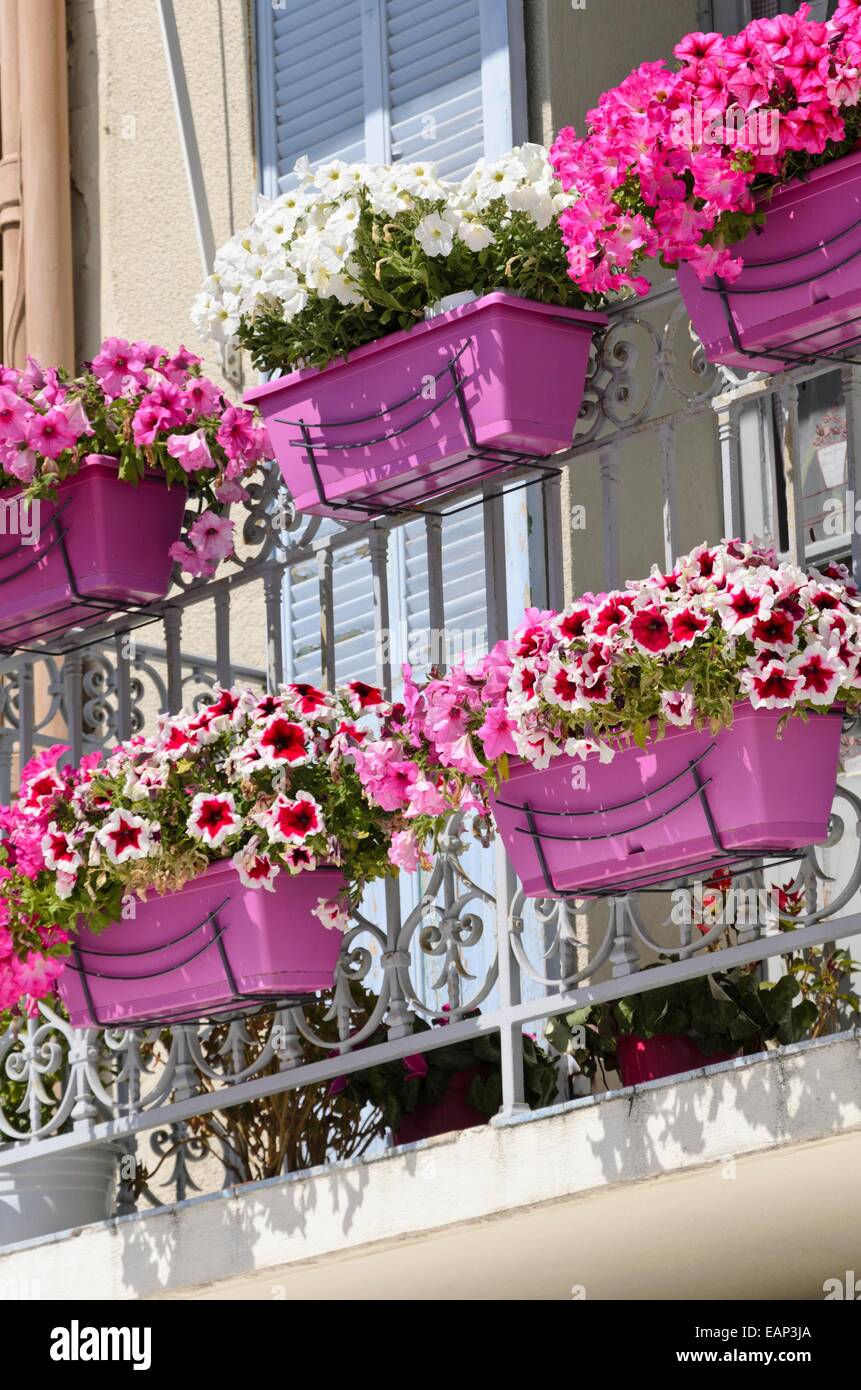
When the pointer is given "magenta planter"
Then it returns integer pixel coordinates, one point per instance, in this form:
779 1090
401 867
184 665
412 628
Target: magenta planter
690 801
452 1112
388 427
649 1059
799 294
212 947
101 546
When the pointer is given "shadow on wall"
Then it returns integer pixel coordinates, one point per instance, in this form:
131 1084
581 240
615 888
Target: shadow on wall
156 1253
797 1097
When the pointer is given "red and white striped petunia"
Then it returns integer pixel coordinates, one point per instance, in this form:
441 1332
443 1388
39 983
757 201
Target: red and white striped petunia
331 914
40 791
821 673
255 868
213 818
774 686
283 743
290 821
307 699
364 696
125 836
58 850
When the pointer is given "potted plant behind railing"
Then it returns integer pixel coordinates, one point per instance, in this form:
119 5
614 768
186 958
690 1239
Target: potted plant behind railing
96 471
446 1088
741 167
697 1023
208 867
383 406
50 1192
687 722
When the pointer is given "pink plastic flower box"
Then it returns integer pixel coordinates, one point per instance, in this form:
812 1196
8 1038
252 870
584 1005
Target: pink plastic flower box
799 294
388 428
688 802
213 947
453 1112
101 546
665 1054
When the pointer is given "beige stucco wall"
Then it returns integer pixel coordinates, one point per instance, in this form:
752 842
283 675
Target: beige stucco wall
137 259
138 265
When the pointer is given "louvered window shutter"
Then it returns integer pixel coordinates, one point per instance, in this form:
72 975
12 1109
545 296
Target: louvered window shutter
433 57
311 86
387 80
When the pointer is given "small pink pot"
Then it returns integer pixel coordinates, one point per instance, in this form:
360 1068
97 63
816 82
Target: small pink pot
452 1112
649 1059
799 294
687 802
388 427
212 947
103 544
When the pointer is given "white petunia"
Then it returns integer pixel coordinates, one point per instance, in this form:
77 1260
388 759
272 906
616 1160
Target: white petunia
435 233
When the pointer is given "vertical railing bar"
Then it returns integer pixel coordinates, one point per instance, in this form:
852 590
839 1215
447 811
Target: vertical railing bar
7 751
608 462
173 658
668 490
26 710
511 1036
791 462
223 668
123 655
551 492
436 591
325 579
730 454
851 379
379 547
273 587
495 567
73 695
766 468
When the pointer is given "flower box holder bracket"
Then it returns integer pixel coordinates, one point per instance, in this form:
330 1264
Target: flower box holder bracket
658 879
499 460
788 354
237 1007
70 639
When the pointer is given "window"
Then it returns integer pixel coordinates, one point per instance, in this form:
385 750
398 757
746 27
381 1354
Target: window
385 80
728 16
388 80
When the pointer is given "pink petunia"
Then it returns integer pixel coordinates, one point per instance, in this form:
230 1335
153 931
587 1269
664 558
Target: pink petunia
51 434
120 364
191 451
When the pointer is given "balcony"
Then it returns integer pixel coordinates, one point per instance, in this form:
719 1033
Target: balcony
467 946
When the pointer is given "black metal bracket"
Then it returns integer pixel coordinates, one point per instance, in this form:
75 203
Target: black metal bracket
499 460
240 1004
720 859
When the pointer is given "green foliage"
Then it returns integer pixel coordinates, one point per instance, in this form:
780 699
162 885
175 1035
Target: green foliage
731 1011
400 1087
398 280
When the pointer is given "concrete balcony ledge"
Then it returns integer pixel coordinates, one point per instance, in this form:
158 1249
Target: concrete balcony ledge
736 1181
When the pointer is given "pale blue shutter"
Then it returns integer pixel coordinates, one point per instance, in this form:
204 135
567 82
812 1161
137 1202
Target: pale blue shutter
387 80
352 582
311 88
434 57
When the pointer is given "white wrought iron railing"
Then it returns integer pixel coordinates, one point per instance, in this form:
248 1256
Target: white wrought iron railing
468 939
